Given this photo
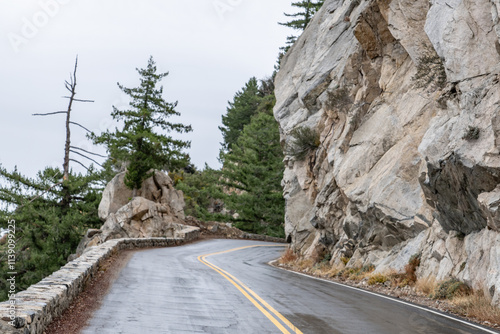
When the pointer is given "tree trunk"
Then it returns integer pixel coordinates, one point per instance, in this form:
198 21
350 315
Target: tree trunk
71 86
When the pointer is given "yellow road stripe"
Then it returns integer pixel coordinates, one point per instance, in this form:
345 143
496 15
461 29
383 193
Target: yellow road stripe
254 302
242 287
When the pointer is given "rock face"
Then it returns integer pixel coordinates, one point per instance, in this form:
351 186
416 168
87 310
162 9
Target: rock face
158 188
157 211
405 165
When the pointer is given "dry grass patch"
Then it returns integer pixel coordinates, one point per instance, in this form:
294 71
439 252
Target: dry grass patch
426 285
477 306
345 260
377 278
322 269
288 257
411 269
334 271
304 264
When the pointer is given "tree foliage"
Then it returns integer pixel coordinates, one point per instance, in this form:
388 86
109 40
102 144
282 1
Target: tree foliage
300 20
307 10
253 160
252 173
47 214
144 142
239 113
304 140
202 193
49 225
248 189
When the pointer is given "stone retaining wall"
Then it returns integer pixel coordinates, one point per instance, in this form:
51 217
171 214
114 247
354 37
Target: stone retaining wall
36 307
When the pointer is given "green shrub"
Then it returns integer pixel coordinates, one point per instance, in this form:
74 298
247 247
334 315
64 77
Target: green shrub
430 71
327 258
304 141
472 133
367 268
348 273
451 288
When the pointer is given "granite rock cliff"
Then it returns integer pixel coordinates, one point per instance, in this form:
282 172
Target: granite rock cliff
405 97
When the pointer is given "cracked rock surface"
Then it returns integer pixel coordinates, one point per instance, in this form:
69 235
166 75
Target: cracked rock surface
405 166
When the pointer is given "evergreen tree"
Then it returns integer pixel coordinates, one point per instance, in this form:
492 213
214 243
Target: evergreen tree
249 184
139 145
301 19
51 215
239 113
252 172
201 193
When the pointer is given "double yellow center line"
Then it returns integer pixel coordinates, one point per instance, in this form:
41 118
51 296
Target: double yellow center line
276 318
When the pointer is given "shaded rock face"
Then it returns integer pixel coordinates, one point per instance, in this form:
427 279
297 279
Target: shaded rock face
158 188
157 211
400 170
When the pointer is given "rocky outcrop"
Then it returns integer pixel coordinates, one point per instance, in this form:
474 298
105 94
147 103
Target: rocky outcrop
157 211
158 188
405 98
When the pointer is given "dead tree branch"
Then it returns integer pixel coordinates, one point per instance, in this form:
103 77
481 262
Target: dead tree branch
51 113
78 100
78 162
81 149
74 123
86 157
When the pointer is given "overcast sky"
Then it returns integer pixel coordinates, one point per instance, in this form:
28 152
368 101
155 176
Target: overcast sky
210 47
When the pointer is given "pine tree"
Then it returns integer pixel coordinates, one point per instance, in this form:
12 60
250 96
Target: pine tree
249 184
201 193
48 227
253 171
301 19
239 113
139 145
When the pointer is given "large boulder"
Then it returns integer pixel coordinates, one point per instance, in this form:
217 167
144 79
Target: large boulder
139 218
156 211
158 188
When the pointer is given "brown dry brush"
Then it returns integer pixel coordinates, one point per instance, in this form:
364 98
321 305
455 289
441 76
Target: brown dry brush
411 269
288 256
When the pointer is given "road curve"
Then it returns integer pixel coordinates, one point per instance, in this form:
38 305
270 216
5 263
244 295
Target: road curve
226 286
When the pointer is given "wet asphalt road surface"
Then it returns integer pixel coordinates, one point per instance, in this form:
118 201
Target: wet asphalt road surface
177 290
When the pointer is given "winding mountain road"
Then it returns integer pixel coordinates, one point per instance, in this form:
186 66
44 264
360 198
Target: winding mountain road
226 286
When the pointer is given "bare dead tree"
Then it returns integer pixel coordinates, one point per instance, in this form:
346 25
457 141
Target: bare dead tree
71 87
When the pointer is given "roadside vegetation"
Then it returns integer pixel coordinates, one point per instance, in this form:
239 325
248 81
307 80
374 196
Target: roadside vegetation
451 295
